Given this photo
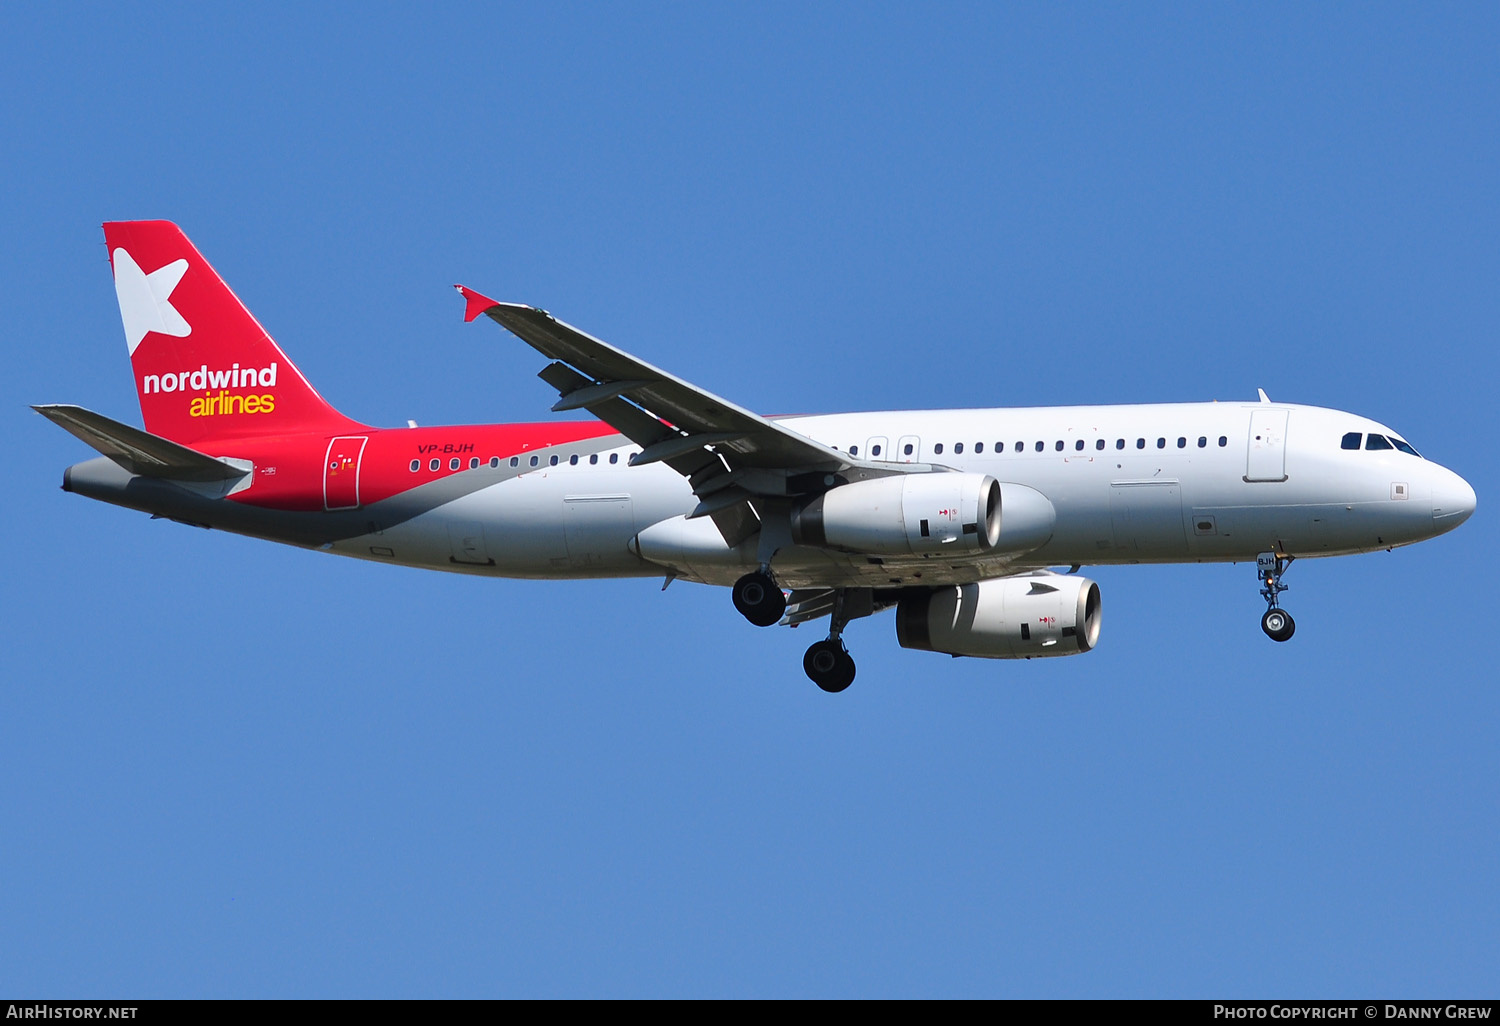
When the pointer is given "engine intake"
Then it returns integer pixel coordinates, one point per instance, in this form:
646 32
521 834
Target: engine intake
1007 618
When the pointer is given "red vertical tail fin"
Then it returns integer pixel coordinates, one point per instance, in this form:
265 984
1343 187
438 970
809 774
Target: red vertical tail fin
204 367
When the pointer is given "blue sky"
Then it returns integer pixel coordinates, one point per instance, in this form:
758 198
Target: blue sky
234 769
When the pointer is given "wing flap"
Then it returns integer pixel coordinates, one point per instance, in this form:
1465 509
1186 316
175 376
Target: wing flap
807 604
814 603
735 522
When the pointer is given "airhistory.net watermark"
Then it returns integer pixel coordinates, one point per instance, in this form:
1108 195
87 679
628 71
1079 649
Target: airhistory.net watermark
43 1010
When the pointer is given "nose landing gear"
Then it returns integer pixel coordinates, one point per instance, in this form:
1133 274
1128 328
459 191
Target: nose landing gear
1277 623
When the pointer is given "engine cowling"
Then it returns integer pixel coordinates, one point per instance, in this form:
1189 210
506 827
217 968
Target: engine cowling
1027 519
904 514
1008 618
694 546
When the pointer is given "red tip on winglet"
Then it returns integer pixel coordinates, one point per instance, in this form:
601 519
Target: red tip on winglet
477 304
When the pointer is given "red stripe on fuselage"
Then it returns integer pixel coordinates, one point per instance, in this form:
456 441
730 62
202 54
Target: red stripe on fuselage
289 470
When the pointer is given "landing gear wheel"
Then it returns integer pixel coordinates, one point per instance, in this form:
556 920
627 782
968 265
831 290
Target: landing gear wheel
1278 624
758 599
829 666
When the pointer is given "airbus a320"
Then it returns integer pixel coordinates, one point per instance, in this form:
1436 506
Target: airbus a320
956 518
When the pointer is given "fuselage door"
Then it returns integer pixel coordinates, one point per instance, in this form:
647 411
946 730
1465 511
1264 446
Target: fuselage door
598 529
1147 518
466 539
1266 457
341 472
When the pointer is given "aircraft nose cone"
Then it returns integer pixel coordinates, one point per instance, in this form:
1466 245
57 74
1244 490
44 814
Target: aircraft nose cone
1453 501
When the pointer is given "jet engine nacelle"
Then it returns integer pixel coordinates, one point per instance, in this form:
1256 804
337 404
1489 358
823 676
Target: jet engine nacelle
1008 618
904 514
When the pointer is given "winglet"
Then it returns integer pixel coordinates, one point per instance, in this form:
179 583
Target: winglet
477 304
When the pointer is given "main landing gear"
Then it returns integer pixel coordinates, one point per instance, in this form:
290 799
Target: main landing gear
828 663
759 599
1277 623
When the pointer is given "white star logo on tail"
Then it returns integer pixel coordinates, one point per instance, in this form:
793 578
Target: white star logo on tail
145 299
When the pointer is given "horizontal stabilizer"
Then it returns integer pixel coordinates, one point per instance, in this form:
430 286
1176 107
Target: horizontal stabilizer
138 451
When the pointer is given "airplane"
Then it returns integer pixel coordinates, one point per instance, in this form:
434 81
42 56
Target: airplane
959 519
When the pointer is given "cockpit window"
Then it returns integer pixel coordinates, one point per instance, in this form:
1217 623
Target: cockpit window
1375 441
1405 447
1351 440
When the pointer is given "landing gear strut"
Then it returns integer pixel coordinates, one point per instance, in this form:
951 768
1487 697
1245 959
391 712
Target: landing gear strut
828 663
1277 623
759 599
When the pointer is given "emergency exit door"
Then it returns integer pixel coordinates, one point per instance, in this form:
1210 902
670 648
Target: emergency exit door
1265 458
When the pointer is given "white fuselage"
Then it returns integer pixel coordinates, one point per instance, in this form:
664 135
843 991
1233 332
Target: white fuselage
1189 482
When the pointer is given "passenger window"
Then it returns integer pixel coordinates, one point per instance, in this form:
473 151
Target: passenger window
473 462
979 447
1161 443
593 458
1140 443
1351 440
1078 445
453 463
853 450
434 465
1202 441
1020 447
416 465
494 462
874 450
907 450
1119 443
614 457
1099 443
573 460
553 461
937 450
515 461
1041 446
1182 443
535 461
1374 441
1223 441
958 448
1059 445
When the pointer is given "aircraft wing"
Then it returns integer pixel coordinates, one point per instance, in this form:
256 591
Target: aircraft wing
729 455
699 417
